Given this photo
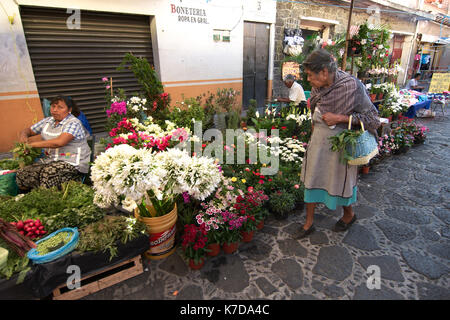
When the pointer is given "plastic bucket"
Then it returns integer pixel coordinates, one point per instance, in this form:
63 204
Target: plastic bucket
162 233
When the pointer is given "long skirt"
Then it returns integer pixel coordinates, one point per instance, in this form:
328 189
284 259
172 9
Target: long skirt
47 175
327 180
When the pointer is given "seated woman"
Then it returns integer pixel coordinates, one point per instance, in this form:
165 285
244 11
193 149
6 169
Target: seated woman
66 152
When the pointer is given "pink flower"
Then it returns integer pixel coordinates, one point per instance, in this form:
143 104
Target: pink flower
104 79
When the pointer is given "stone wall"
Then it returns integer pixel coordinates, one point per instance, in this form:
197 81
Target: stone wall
288 13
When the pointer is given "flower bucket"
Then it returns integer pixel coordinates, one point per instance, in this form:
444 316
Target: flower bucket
215 249
247 236
195 266
162 233
230 247
373 97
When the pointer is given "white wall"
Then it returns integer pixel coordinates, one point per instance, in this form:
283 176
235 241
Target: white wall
16 73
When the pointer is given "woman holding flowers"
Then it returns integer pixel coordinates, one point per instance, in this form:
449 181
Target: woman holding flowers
335 97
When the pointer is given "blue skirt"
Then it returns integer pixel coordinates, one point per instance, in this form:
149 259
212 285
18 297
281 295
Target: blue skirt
322 196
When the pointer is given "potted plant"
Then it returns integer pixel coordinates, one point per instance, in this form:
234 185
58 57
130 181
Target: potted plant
194 241
150 184
374 90
281 203
231 230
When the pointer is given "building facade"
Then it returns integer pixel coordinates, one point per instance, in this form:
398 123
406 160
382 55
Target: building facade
51 47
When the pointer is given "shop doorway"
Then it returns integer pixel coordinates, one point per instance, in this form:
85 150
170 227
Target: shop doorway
256 60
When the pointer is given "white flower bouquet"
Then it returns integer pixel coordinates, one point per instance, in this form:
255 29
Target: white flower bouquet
133 178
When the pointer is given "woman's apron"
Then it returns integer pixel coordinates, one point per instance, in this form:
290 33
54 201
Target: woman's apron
322 168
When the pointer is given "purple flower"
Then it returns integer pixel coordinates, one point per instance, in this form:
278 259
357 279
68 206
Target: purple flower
117 107
186 197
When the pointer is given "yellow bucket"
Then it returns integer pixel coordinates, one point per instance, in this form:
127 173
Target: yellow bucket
162 233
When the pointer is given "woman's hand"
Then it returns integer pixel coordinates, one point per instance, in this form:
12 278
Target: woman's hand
332 118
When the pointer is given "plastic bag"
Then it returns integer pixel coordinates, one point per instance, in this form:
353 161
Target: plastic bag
8 185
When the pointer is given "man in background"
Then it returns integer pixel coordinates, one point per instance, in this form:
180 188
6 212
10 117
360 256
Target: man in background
296 93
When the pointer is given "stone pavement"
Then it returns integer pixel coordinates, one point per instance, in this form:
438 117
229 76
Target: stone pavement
403 212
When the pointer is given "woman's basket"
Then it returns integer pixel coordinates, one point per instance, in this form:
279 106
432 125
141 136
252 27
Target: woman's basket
34 255
365 149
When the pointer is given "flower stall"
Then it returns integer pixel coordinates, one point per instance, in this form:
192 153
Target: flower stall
157 188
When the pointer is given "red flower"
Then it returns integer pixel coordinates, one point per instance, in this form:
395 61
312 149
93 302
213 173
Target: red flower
261 181
283 128
273 127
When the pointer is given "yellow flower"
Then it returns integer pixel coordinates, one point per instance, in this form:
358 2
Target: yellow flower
234 179
244 181
264 165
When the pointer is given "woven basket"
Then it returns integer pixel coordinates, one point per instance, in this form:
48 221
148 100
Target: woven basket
34 256
366 147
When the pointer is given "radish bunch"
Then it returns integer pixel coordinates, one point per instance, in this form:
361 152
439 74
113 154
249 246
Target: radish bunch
30 228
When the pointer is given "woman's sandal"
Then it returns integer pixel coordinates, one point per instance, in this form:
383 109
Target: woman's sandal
342 226
304 233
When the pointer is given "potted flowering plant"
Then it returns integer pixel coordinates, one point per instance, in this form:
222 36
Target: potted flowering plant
231 233
150 183
419 134
386 145
194 245
211 219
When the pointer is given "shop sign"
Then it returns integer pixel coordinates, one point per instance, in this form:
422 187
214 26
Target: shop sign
440 82
189 15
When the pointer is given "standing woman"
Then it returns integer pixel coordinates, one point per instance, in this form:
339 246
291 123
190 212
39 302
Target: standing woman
335 97
66 152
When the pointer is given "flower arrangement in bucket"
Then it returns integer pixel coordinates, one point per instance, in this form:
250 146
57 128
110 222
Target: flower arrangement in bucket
194 241
136 177
150 183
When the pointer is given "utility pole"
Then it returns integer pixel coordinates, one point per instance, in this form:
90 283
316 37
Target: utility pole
347 38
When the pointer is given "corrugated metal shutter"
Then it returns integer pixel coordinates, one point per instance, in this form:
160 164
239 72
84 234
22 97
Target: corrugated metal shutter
72 62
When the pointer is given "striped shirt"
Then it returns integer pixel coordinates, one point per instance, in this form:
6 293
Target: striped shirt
75 128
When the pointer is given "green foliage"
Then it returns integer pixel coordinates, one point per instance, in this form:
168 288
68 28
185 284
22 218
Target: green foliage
373 43
14 264
189 109
104 235
233 120
24 154
145 74
281 203
344 140
9 164
225 99
70 207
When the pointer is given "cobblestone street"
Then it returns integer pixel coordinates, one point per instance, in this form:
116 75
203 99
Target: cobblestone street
403 212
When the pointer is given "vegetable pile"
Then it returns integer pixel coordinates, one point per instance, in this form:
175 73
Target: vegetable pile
30 228
16 241
54 243
25 154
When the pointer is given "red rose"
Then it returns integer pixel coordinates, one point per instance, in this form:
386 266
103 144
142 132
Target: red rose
283 128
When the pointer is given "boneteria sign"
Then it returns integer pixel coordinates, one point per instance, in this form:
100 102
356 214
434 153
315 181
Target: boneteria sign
190 15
